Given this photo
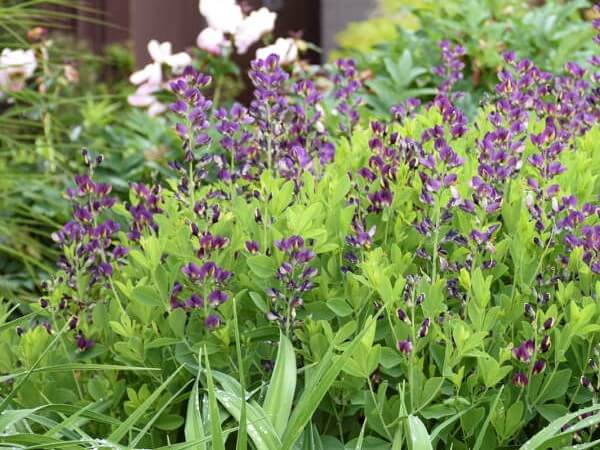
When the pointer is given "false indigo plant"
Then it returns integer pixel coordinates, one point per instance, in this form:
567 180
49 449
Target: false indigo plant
476 243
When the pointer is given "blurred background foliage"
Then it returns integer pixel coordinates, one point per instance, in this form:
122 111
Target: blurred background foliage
76 98
396 45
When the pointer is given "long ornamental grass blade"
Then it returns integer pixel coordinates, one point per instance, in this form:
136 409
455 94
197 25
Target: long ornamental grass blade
554 428
194 429
259 427
218 441
418 437
128 424
325 374
483 429
280 393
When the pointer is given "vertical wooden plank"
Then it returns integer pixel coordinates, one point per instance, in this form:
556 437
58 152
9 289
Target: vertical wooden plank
177 21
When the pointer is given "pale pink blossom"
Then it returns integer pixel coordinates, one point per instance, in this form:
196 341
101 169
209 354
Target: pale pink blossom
144 97
16 66
161 54
253 27
212 40
223 15
285 48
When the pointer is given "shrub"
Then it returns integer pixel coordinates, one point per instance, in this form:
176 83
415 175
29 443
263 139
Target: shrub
302 277
398 46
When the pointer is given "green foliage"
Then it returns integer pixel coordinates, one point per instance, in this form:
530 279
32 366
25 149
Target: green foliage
405 33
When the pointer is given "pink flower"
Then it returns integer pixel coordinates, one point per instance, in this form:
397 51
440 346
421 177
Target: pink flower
222 15
16 66
211 40
285 48
253 27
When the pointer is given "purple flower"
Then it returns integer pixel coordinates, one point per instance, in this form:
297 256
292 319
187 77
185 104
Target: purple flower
195 301
539 366
212 322
524 351
83 344
405 346
252 247
520 379
217 298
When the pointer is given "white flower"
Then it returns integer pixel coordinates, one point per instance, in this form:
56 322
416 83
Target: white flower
161 53
211 40
144 97
15 67
253 27
285 48
223 15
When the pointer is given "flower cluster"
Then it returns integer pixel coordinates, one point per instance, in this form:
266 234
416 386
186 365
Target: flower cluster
87 240
451 69
347 93
295 277
143 210
207 286
527 354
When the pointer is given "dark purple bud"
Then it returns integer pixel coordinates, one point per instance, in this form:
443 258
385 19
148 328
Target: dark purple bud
424 328
539 366
586 383
405 346
529 312
252 247
83 344
520 379
212 321
73 321
43 303
545 344
548 323
402 315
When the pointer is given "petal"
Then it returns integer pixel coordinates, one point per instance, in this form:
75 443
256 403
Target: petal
178 61
156 108
154 50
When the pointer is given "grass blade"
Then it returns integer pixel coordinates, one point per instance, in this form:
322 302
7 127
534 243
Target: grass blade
280 393
218 442
327 371
483 430
418 437
128 424
194 429
553 429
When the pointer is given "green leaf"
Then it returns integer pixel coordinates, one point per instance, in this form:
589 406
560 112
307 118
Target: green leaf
262 266
130 422
280 393
553 430
194 429
325 374
146 295
217 439
418 438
